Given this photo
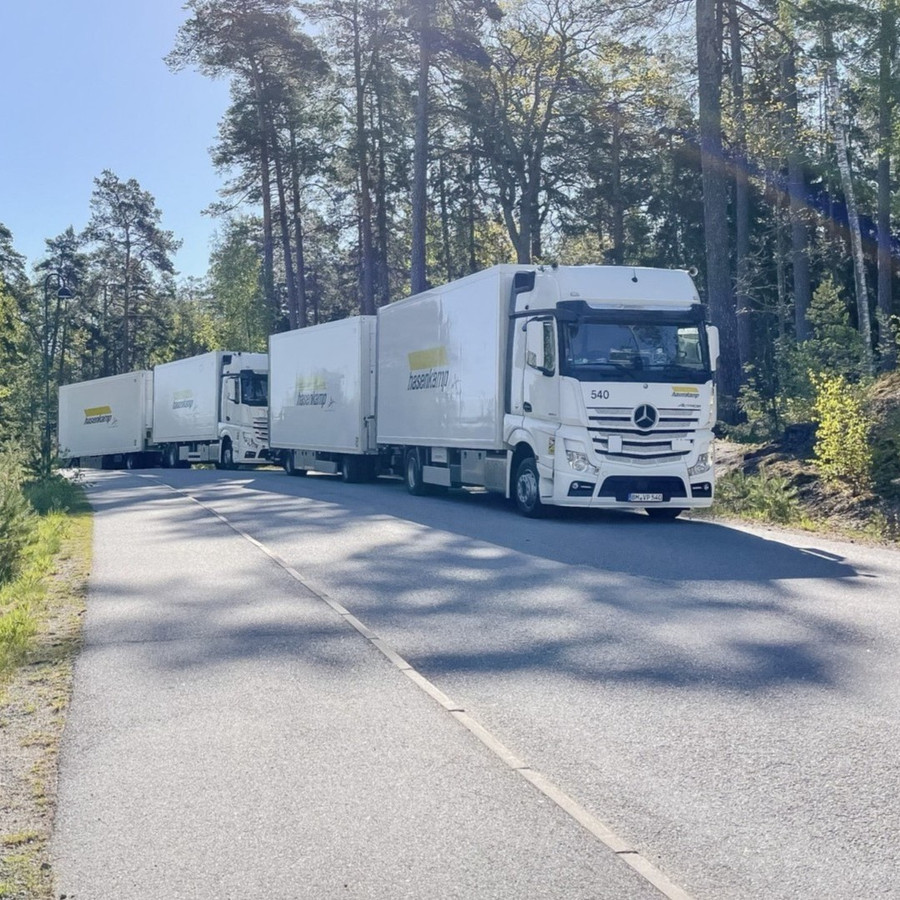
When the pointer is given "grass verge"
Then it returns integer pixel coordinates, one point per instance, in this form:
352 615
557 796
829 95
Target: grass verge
40 635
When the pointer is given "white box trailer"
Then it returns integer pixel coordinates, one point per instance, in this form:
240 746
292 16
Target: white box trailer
109 418
322 398
212 408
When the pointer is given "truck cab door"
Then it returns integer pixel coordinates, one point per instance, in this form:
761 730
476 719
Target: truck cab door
540 389
230 399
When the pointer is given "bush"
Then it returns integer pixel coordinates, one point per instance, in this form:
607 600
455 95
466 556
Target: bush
772 499
843 452
17 519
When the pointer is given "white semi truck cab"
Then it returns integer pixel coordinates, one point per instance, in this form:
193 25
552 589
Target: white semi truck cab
612 396
212 408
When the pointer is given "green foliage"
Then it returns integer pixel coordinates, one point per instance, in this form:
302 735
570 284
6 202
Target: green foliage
28 545
17 521
768 498
842 450
783 392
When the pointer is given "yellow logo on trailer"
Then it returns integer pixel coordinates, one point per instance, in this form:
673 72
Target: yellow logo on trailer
97 415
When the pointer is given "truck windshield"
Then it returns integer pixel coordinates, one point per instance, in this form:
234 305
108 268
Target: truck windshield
623 351
254 388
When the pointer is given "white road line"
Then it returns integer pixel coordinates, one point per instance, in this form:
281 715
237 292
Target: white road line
541 782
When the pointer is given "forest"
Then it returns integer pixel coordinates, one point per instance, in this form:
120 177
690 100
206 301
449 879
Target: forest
372 148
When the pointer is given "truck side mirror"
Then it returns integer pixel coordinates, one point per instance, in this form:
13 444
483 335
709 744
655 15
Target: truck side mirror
712 336
540 346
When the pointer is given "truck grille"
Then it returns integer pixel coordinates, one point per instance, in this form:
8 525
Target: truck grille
665 440
261 429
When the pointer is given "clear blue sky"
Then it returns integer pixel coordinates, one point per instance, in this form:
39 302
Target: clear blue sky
83 87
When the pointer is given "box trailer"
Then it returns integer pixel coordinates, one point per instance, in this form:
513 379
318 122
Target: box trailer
107 418
582 386
322 398
212 408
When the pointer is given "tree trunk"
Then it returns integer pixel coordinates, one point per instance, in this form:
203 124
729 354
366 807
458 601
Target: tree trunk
617 256
302 315
417 270
715 201
367 261
839 129
741 192
292 304
796 195
887 55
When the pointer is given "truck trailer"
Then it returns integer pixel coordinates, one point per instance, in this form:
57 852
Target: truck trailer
579 386
322 398
207 408
109 418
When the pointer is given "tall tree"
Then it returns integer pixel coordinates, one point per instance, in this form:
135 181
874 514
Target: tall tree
715 197
125 226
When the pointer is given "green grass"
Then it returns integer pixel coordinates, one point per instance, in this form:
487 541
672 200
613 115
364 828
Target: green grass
40 636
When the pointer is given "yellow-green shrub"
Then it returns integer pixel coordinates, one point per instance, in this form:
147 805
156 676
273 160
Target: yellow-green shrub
843 451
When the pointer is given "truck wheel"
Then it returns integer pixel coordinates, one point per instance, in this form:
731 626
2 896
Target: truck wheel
414 483
664 514
227 456
287 462
528 493
131 461
171 457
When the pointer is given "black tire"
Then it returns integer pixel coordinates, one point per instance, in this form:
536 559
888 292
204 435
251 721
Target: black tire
349 469
664 513
227 458
413 469
132 461
171 458
527 491
287 462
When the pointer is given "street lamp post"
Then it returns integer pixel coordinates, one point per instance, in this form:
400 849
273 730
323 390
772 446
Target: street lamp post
62 293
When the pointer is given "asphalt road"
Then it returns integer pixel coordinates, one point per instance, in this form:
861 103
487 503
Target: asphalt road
303 688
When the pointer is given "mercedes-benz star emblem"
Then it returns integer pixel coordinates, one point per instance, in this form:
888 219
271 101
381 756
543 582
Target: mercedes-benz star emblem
645 417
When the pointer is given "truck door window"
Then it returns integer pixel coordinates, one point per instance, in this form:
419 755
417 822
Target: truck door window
254 388
540 346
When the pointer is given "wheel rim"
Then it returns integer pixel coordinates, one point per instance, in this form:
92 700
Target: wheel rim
412 475
527 489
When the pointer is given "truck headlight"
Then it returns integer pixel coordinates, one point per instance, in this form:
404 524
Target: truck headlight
577 458
702 465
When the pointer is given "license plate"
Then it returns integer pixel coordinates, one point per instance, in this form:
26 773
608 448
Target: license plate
645 498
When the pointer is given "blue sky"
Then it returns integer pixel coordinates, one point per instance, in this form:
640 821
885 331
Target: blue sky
83 88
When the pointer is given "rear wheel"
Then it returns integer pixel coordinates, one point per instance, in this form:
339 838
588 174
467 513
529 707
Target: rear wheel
132 461
528 492
349 469
664 513
171 458
414 483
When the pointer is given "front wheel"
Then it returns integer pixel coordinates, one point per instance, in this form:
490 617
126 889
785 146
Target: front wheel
414 483
227 456
664 513
528 492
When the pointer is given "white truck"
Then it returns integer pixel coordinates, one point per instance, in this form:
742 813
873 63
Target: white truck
207 408
109 418
212 408
322 398
583 386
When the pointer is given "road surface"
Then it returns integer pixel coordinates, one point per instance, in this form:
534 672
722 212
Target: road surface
304 688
